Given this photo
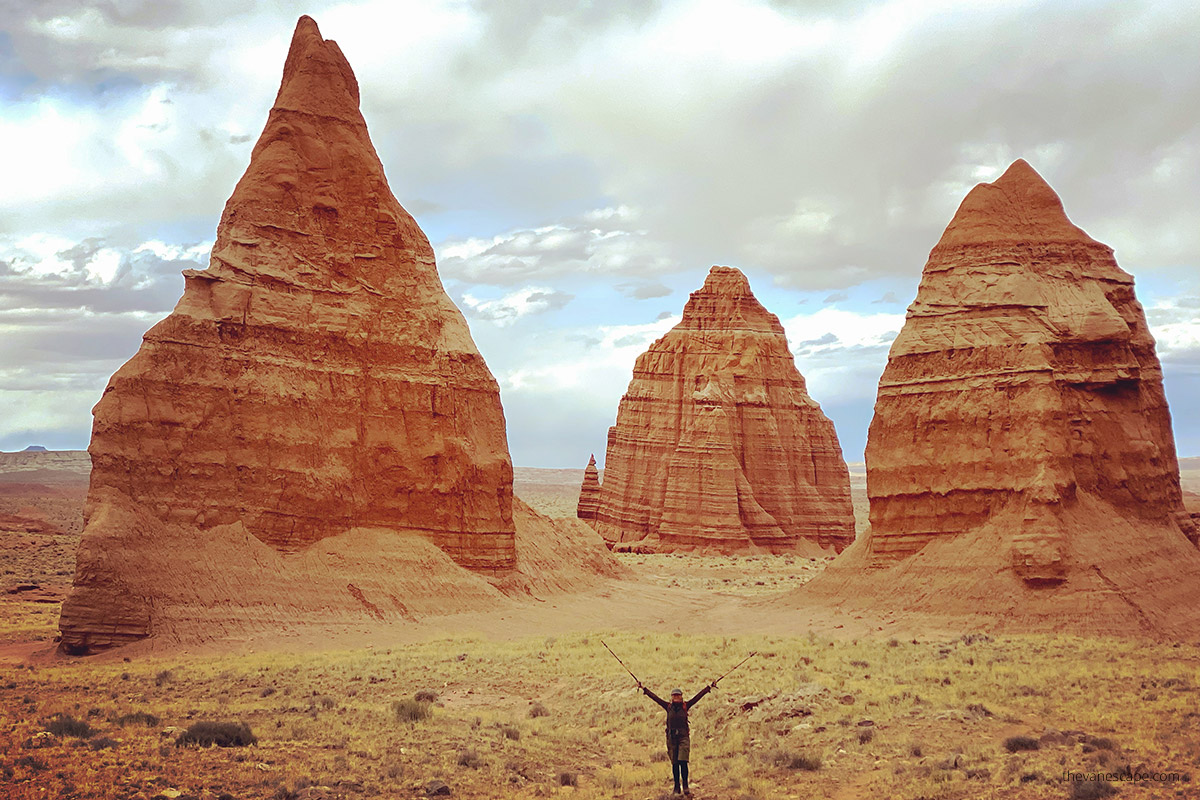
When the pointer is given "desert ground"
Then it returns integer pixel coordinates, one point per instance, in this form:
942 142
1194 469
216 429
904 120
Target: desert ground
528 703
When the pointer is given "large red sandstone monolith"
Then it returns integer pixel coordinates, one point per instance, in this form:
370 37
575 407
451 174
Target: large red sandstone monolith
589 491
717 445
1020 463
314 380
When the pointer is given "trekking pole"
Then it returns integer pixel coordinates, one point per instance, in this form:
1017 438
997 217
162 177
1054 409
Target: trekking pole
735 666
619 661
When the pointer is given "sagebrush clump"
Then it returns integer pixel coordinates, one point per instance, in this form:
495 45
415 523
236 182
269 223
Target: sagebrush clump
412 710
221 734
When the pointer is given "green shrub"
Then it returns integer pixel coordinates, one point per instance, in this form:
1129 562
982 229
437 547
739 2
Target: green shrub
1091 790
1016 744
790 760
66 725
805 763
411 710
221 734
137 718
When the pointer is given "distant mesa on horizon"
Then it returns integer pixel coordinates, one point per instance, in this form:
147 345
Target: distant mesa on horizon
35 448
1021 469
717 446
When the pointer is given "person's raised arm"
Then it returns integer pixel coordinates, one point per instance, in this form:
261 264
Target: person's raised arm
700 694
653 696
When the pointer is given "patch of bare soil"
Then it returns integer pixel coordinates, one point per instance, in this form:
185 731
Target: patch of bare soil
731 576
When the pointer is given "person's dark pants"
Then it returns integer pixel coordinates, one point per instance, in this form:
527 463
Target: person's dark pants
679 748
679 769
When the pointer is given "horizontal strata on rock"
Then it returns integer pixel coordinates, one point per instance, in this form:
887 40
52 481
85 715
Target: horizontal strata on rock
314 380
1020 463
717 445
1025 366
589 492
315 377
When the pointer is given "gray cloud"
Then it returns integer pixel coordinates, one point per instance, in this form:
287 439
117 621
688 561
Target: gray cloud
142 282
603 243
642 290
824 165
508 309
823 147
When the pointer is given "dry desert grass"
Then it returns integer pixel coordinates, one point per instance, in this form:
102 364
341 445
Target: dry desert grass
537 716
521 716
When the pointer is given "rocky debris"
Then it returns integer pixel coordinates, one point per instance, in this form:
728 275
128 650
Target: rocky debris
589 491
1020 464
19 523
717 446
637 548
39 740
1191 504
776 706
35 593
437 788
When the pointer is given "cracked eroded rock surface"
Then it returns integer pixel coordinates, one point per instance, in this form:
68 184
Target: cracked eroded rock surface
1020 463
717 445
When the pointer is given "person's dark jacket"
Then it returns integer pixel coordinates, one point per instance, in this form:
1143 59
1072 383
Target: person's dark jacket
677 713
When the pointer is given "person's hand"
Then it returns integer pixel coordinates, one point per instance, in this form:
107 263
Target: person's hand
640 685
712 685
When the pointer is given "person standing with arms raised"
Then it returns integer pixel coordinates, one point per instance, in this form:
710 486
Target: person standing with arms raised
679 738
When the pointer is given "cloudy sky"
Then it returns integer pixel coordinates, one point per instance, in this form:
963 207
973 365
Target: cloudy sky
579 167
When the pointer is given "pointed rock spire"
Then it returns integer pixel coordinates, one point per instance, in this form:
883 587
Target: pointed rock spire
717 423
1017 206
1021 469
315 379
589 491
317 79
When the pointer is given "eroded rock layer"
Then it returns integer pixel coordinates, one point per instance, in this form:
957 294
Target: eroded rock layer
315 379
1024 372
1020 463
589 491
717 445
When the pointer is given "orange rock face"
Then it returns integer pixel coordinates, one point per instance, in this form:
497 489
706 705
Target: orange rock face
1024 373
315 376
1020 463
717 445
314 379
589 491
